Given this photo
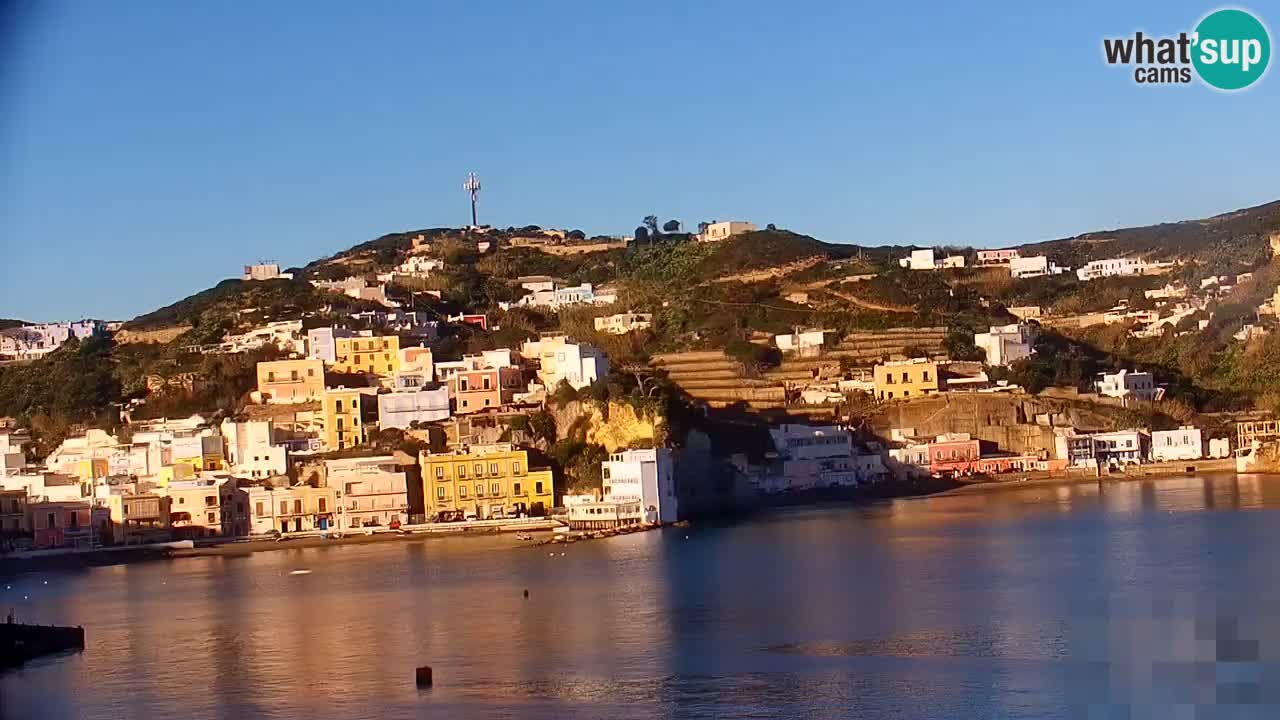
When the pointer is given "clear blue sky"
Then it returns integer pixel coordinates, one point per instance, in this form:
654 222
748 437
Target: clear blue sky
149 149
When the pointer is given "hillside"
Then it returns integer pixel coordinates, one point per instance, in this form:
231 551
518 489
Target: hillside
1240 235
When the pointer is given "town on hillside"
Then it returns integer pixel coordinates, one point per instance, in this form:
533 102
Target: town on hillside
529 378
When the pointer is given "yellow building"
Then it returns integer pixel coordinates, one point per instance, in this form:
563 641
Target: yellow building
347 415
485 481
906 379
378 355
175 473
291 381
90 469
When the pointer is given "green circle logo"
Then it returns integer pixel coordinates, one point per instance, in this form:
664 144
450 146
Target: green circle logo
1232 49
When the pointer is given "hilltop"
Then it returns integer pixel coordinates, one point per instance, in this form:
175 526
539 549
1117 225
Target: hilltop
1237 235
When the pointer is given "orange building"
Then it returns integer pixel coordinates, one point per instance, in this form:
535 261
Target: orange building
291 381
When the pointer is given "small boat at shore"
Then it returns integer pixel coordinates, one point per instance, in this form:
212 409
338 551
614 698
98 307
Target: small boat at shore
300 572
523 536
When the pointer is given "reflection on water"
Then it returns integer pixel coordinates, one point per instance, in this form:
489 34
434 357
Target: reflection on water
1028 602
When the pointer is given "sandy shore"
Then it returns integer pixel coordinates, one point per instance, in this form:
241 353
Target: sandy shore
1144 472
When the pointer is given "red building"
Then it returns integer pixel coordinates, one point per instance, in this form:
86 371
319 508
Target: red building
61 524
957 456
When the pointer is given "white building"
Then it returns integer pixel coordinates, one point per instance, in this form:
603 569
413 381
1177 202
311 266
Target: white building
559 296
1112 267
264 271
286 335
1169 291
802 342
46 486
927 260
588 512
12 459
1034 266
419 265
646 475
623 323
1126 384
359 288
322 343
403 407
537 283
1124 447
811 456
29 342
715 231
987 258
919 260
1182 444
371 491
1005 344
579 364
251 451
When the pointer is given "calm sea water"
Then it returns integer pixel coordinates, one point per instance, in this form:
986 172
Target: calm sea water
1153 599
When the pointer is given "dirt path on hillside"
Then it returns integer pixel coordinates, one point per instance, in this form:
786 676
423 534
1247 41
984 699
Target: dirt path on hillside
869 305
755 276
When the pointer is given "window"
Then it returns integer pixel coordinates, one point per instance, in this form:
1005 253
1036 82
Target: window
888 379
925 376
479 489
212 518
479 469
495 489
462 471
440 492
210 500
323 505
297 507
515 467
486 382
182 501
284 507
906 393
537 488
260 510
515 489
462 491
905 378
337 406
311 372
271 376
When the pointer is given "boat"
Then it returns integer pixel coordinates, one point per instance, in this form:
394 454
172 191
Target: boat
523 536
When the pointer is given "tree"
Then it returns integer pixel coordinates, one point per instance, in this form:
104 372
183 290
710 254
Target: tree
642 235
671 226
770 227
651 222
543 426
576 235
